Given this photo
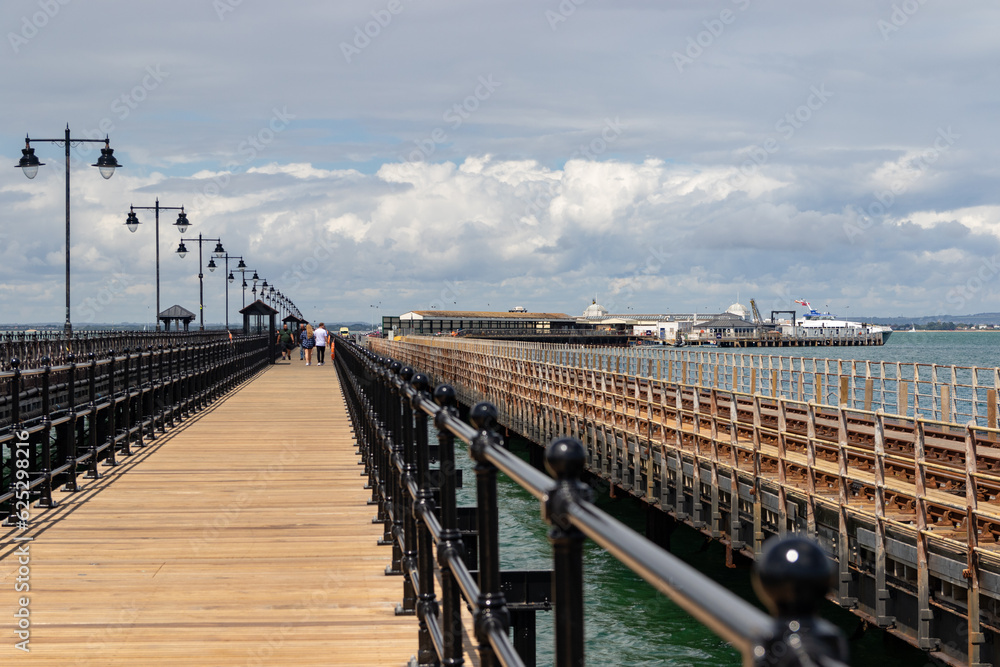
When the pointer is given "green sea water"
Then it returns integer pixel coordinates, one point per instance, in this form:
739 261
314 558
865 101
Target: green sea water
629 623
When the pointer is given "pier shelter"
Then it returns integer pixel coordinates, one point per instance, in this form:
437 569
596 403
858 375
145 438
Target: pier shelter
175 313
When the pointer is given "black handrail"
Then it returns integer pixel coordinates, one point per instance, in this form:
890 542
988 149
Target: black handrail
389 405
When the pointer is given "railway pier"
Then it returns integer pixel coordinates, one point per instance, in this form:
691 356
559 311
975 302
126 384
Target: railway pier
898 476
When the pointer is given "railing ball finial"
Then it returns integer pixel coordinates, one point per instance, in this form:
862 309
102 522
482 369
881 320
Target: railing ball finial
447 399
395 367
483 416
421 382
46 360
15 362
792 576
445 396
565 458
406 373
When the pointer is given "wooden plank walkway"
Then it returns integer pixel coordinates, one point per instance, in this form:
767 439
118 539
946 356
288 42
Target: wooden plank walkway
241 537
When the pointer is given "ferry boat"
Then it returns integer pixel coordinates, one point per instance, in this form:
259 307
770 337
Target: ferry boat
814 320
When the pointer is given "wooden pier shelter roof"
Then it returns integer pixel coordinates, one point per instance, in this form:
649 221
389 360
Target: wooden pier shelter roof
240 537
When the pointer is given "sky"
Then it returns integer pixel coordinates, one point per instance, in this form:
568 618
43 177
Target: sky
373 157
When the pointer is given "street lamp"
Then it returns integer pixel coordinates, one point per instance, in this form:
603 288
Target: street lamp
254 279
132 222
263 287
230 278
218 252
106 164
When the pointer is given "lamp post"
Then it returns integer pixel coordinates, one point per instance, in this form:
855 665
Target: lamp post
132 222
263 288
218 252
263 295
29 164
230 278
254 279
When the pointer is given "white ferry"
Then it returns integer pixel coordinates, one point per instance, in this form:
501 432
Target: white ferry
815 322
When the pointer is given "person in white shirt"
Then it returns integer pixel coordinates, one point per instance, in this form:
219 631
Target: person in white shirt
321 335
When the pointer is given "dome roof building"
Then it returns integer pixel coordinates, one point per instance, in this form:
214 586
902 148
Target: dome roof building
738 309
595 311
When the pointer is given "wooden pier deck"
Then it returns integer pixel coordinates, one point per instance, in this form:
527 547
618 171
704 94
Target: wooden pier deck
240 537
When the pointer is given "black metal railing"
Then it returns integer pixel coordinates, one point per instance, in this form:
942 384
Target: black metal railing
58 421
30 347
390 406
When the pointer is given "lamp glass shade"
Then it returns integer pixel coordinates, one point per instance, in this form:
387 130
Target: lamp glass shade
219 250
182 222
182 249
29 163
231 278
107 163
211 264
241 265
132 221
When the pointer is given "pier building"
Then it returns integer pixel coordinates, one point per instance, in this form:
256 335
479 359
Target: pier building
597 326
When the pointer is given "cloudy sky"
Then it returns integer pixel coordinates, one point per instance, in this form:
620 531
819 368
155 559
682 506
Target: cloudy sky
377 156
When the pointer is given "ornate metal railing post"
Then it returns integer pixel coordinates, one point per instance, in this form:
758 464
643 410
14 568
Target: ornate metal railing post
151 398
380 451
70 427
424 506
792 577
45 500
405 504
15 395
92 473
140 399
172 374
492 613
565 459
386 434
163 394
450 544
189 381
127 405
393 476
110 460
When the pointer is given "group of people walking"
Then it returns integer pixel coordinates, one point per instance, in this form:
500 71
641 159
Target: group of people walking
308 339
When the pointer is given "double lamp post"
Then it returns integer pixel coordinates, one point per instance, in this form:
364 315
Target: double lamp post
29 164
132 222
